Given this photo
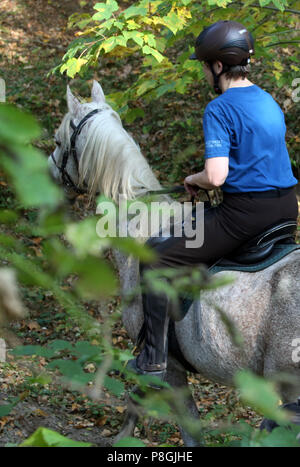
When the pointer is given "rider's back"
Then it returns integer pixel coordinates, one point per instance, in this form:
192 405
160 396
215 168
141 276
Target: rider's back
247 125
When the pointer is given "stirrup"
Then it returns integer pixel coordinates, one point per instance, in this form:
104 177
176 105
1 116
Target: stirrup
133 366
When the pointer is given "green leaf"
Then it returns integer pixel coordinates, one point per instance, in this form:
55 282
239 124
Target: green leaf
123 355
282 437
96 278
79 19
119 24
86 351
59 344
6 409
129 442
105 10
133 114
76 46
260 394
8 216
73 66
146 86
280 4
172 21
135 11
182 83
264 2
114 386
72 370
109 44
150 40
157 55
107 24
161 90
17 126
29 173
52 223
136 36
83 236
164 8
131 246
33 350
43 437
221 3
131 24
41 379
120 40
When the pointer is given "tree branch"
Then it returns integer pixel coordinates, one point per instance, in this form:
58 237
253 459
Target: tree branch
282 42
257 5
267 7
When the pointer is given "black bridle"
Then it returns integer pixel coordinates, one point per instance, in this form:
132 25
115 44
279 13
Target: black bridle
70 151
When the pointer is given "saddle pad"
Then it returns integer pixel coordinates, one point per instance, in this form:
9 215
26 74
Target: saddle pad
279 251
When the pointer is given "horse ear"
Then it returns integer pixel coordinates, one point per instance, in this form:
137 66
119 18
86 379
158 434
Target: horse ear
73 102
97 93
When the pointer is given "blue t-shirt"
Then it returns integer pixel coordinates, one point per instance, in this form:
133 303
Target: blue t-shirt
247 125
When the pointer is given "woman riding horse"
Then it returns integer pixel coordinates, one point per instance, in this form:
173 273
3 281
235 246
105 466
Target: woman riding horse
246 155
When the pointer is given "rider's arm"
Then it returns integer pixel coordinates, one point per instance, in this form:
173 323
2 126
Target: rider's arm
213 176
217 140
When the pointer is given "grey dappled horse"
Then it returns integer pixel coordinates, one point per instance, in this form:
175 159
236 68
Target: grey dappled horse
264 306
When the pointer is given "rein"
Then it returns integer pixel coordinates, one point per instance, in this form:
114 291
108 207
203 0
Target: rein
176 189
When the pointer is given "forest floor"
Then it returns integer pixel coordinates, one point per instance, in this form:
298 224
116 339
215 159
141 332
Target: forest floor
33 38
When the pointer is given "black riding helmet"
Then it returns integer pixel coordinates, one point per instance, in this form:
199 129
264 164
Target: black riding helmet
226 41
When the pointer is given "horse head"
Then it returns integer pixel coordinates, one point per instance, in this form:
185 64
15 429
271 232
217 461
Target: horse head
95 154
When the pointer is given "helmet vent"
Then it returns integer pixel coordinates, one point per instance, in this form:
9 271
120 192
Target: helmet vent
239 43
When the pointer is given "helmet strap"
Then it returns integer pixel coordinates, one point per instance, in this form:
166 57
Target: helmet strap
216 76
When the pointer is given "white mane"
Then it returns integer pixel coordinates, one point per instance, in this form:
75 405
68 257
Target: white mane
111 162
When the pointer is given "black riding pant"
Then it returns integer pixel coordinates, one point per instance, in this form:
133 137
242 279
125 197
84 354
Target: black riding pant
240 217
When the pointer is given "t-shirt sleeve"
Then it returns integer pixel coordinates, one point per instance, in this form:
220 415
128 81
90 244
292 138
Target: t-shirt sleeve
216 135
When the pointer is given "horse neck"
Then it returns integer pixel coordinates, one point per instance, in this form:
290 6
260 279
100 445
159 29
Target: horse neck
111 163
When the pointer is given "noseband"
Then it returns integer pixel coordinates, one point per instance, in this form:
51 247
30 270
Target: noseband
71 152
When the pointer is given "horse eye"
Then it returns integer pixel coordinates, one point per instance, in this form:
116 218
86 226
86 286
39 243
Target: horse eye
58 143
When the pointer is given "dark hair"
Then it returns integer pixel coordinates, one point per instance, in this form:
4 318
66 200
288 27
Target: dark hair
238 71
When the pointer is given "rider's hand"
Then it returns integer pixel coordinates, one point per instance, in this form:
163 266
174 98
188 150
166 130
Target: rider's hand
190 186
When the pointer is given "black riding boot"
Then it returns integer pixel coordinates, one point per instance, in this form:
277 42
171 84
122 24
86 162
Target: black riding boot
153 358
